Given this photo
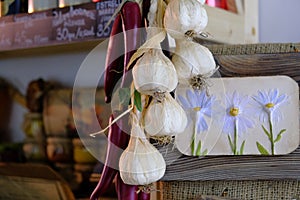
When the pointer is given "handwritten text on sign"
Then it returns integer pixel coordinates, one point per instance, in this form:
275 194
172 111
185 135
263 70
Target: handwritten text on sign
75 24
6 32
105 10
32 32
32 29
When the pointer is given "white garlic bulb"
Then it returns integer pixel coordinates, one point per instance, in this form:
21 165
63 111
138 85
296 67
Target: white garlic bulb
191 59
141 163
165 117
182 16
154 72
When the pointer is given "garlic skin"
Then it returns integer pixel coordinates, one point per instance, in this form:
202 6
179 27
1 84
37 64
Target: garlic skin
165 118
154 72
182 16
141 163
192 59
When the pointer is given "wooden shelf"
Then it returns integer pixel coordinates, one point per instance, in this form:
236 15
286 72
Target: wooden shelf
234 28
85 23
55 27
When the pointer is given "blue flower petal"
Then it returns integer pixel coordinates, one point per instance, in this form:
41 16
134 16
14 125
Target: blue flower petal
273 95
280 99
192 98
235 99
247 122
228 100
258 101
228 126
262 97
201 124
184 102
204 125
208 102
244 102
207 111
241 127
200 96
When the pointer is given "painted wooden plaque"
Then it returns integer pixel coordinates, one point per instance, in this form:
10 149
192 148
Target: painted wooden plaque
240 116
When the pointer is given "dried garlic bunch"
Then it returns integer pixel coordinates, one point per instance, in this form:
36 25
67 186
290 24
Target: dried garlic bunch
141 163
165 117
154 72
185 16
192 59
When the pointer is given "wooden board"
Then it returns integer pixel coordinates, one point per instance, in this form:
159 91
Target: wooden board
240 116
241 61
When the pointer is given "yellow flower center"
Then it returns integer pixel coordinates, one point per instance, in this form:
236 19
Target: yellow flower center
234 111
269 105
197 109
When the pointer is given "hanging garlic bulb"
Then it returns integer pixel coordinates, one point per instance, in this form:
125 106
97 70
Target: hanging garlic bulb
183 16
191 59
154 72
141 163
165 117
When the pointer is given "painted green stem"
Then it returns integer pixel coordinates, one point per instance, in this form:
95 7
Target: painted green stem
271 135
235 152
193 144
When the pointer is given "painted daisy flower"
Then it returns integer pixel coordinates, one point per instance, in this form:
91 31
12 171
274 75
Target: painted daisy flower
237 114
200 103
268 103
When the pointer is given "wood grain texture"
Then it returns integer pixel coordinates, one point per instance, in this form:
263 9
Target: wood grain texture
211 168
244 60
250 49
260 65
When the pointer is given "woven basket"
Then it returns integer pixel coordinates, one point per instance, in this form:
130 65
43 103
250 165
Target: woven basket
254 190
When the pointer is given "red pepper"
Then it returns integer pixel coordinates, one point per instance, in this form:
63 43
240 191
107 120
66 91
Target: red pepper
146 7
124 191
117 142
144 196
114 65
132 23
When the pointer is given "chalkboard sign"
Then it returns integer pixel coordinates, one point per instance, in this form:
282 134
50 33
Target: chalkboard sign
32 32
57 26
74 23
105 11
6 32
32 29
23 17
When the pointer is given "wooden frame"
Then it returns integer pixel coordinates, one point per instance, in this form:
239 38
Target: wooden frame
238 61
231 28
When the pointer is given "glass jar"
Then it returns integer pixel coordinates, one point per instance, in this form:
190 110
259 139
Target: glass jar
33 150
81 154
59 149
33 126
